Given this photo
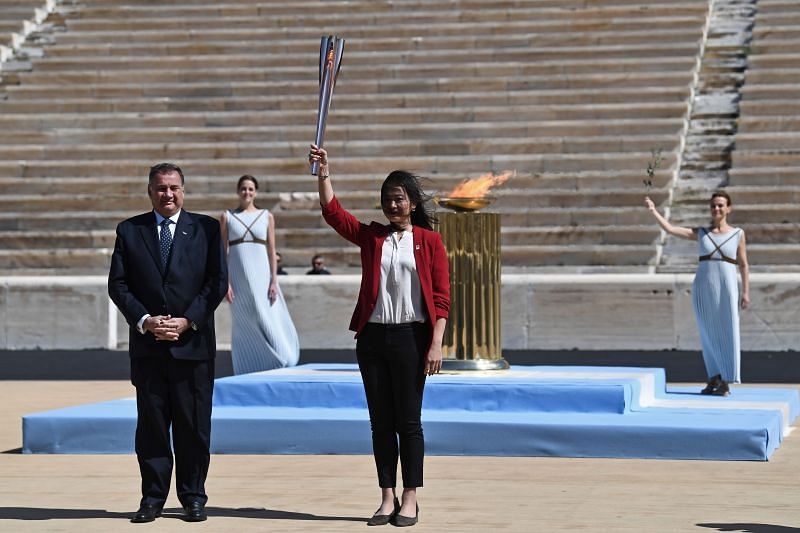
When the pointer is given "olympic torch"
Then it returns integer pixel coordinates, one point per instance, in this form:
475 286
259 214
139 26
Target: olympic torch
331 50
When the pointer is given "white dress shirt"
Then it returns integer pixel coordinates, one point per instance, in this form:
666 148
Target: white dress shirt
400 294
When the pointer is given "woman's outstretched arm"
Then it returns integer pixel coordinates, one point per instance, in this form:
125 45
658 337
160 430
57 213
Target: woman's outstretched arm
678 231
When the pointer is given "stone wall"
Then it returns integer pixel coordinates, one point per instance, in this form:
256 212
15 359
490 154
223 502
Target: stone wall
540 312
64 312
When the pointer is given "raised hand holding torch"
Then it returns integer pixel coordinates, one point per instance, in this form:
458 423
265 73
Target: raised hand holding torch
330 60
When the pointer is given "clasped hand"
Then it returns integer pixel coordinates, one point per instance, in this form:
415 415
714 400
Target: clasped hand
165 327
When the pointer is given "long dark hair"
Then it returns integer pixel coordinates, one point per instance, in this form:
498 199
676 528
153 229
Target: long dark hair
421 215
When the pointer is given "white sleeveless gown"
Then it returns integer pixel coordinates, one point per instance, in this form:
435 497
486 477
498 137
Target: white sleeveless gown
263 336
715 296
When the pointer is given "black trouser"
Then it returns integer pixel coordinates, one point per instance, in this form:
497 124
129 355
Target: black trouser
177 393
391 359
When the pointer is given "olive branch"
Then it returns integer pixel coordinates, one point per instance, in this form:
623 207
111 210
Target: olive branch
653 165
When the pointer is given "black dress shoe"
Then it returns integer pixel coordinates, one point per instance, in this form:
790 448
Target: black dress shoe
383 519
195 512
405 521
722 390
712 385
146 513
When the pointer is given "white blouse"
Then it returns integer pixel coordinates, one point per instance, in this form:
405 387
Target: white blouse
400 294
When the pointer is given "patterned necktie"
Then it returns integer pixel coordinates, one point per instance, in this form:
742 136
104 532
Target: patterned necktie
166 241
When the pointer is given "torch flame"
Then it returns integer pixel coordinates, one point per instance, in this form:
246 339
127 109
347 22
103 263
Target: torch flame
479 187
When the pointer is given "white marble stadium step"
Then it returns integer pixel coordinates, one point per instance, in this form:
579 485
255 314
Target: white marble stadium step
572 95
764 182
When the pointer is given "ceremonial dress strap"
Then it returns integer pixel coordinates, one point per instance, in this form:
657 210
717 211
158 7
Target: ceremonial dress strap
717 248
247 230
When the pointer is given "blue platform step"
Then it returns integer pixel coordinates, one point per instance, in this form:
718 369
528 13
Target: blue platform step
524 411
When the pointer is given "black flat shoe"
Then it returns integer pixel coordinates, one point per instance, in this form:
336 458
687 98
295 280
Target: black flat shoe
383 519
146 513
195 512
712 385
405 521
722 390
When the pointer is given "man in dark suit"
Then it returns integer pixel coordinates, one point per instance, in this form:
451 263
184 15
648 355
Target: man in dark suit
168 274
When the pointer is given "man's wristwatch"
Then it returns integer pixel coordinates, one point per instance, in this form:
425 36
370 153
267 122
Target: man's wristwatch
193 326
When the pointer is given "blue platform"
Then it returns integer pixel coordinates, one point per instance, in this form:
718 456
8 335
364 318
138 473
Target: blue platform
525 411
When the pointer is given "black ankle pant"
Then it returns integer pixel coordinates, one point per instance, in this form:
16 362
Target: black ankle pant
391 359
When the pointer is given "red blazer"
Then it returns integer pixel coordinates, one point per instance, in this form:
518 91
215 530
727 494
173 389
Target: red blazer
429 253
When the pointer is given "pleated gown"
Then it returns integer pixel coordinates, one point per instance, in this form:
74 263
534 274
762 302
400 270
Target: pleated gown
715 297
263 336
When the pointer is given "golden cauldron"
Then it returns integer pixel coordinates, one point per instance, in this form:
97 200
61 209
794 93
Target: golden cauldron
472 337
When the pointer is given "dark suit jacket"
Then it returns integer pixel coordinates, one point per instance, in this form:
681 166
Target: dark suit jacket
193 285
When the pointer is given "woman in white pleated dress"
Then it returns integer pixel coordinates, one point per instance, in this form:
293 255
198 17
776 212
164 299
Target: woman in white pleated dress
715 290
263 336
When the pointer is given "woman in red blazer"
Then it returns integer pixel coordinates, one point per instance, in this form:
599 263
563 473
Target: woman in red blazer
399 322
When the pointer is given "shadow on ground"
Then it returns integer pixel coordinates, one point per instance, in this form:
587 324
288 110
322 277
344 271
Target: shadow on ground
750 528
38 513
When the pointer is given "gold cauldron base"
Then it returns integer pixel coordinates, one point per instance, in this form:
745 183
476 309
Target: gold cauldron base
474 364
472 337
